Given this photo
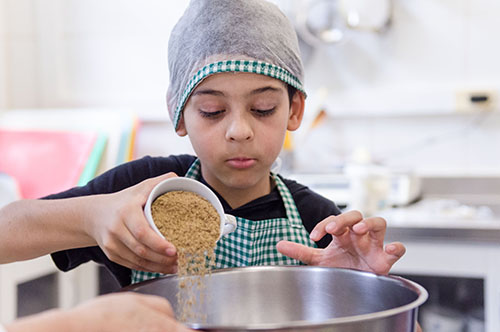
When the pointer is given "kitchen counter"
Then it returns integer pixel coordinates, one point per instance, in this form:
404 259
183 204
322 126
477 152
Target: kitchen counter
453 231
452 234
450 209
407 223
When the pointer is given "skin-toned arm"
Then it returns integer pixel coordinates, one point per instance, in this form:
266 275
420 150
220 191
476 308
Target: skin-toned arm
115 222
121 312
32 228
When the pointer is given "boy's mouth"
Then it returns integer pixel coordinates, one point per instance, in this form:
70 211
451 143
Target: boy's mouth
241 162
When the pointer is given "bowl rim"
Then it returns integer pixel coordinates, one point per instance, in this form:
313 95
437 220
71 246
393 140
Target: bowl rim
421 292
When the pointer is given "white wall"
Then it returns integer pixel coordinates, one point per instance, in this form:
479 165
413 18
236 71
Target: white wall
64 53
70 53
433 51
396 95
21 54
431 145
3 83
73 53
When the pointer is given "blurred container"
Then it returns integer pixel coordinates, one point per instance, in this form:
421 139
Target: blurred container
369 187
9 189
475 320
440 319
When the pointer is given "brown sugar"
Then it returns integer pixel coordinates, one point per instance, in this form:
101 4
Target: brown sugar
192 224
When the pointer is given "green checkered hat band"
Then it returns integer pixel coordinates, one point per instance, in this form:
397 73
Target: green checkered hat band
245 66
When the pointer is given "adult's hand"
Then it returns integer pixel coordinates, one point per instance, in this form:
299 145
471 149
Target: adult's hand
126 312
120 312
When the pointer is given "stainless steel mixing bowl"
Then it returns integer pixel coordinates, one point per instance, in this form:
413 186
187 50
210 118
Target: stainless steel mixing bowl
302 298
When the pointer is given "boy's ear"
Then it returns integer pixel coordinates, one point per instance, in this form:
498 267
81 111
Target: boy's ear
296 111
181 127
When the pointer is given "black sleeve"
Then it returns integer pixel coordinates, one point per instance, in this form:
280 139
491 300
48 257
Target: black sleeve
114 180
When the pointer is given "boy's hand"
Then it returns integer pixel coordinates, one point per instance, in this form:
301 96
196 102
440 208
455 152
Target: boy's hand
119 226
357 243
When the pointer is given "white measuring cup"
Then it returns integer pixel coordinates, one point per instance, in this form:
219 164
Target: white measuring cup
227 222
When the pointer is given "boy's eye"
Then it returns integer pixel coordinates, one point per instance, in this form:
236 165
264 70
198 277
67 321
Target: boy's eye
210 115
263 113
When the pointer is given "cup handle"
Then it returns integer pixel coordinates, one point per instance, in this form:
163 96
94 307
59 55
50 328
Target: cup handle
230 224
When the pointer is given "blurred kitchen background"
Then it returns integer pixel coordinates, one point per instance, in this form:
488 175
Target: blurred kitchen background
402 121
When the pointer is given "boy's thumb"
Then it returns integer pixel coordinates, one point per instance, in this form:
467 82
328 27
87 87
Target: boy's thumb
152 182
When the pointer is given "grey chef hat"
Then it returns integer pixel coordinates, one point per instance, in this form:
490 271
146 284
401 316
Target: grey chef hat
215 36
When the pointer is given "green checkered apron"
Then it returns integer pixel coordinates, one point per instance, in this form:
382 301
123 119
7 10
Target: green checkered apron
254 241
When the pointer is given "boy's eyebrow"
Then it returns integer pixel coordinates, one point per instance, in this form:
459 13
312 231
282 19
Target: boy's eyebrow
208 92
220 93
264 89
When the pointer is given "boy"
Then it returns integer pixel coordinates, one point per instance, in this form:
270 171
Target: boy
235 88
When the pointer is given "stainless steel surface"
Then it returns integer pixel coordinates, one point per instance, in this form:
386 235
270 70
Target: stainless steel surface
449 234
301 298
425 227
472 191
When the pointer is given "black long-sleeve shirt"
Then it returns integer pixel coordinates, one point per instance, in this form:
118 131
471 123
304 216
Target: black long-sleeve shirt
312 207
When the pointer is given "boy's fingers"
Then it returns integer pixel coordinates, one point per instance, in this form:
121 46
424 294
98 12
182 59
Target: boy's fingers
148 260
296 251
132 261
340 223
142 233
127 251
395 250
376 226
144 188
319 230
151 182
125 256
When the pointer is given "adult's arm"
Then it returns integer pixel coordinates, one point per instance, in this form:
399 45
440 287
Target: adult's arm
121 312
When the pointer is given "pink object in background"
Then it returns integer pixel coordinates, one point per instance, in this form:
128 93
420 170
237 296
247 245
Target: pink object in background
44 162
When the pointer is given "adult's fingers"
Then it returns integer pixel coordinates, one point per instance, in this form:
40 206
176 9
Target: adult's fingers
171 325
155 302
163 307
297 251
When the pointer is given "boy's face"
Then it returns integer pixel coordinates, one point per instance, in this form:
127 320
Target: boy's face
237 123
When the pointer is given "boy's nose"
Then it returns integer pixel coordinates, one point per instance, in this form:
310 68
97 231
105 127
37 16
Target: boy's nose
239 129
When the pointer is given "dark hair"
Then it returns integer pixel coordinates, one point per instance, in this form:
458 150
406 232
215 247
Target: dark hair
291 93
